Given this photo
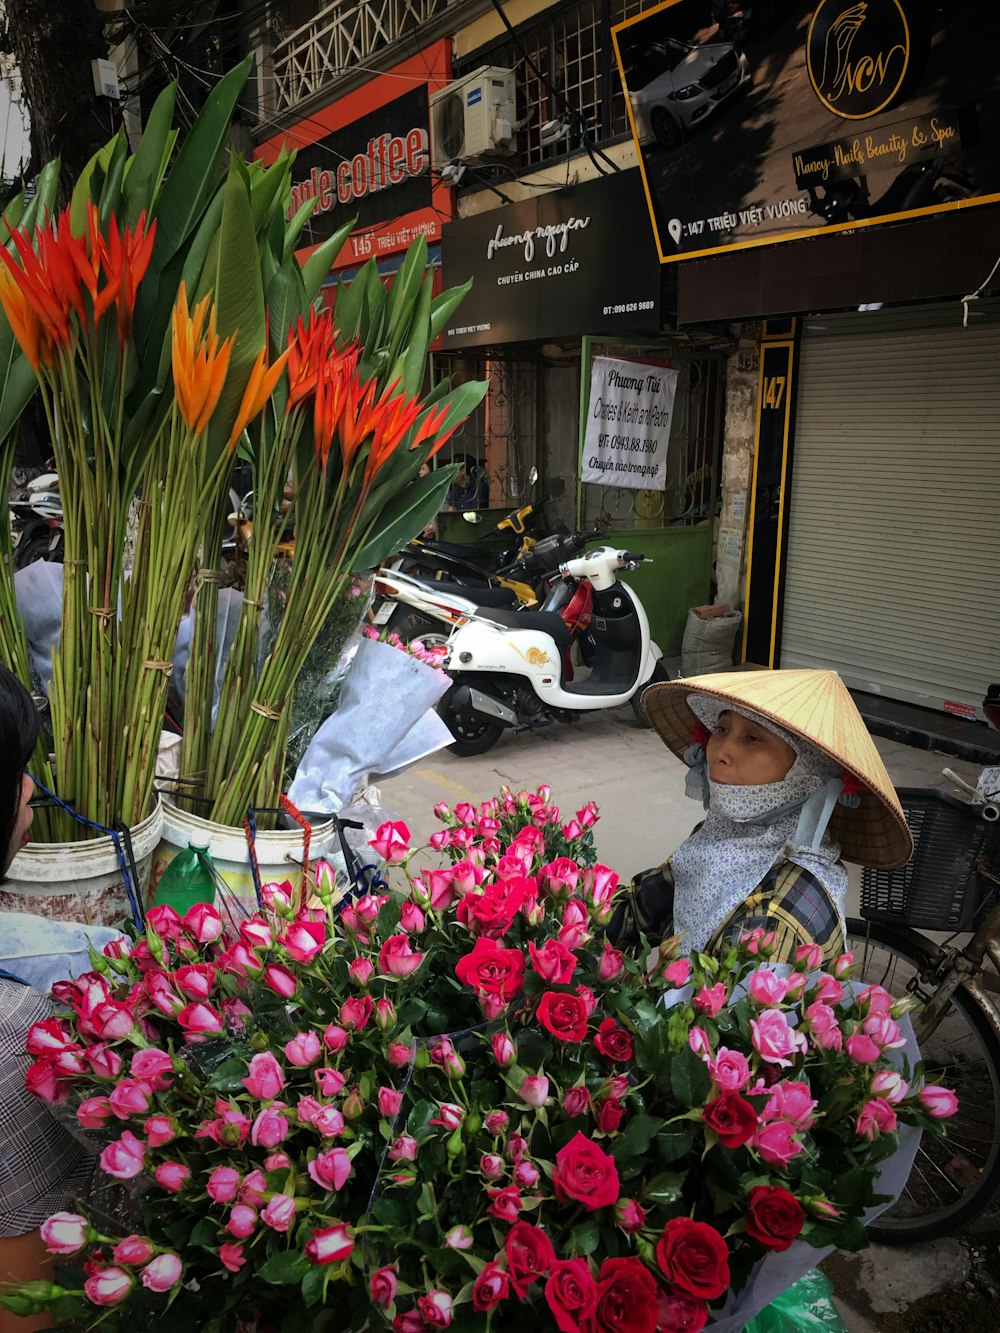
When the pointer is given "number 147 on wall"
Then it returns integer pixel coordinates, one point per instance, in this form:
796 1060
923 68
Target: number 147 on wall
774 391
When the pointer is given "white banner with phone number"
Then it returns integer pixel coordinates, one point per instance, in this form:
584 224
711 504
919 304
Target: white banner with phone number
628 424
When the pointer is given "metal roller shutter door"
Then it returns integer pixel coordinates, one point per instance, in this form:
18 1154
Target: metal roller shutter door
893 569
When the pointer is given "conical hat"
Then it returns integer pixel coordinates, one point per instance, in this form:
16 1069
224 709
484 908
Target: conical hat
816 706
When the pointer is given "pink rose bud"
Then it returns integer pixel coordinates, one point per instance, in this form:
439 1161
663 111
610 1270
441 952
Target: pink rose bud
862 1049
354 1105
404 1149
938 1102
630 1216
711 1000
436 1308
385 1015
125 1158
451 1117
822 1208
335 1038
277 1161
496 1122
278 897
611 964
303 1050
331 1169
133 1250
444 1055
389 1102
891 1085
577 1101
329 1245
399 1055
94 1113
254 1189
304 941
223 1184
163 1272
265 1079
491 1166
330 1081
903 1006
270 1128
397 959
459 1238
160 1129
382 1285
65 1233
392 842
877 1117
810 956
172 1176
504 1049
326 882
515 1148
678 973
107 1286
441 811
130 1097
280 980
361 970
526 1175
534 1090
766 988
154 1067
411 918
843 965
280 1212
232 1256
242 1221
699 1043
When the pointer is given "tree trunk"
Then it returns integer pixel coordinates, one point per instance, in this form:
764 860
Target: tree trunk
53 43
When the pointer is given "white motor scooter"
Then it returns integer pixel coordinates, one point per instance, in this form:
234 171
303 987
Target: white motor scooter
510 667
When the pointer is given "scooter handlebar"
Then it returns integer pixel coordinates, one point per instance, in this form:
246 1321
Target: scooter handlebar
630 558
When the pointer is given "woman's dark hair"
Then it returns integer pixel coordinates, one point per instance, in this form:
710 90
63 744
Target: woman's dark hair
18 734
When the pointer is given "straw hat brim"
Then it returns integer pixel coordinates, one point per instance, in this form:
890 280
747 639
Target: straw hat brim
816 706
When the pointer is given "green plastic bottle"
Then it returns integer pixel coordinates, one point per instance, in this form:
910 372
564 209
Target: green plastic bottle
187 880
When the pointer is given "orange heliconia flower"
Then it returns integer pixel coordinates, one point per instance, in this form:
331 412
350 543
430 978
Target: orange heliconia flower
49 286
395 420
344 407
200 363
259 388
124 258
28 329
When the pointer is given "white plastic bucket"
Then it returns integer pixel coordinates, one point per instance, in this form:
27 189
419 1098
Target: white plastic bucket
80 881
279 854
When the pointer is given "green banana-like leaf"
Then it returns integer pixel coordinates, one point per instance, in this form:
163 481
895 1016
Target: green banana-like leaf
192 181
445 305
286 302
267 189
87 188
233 275
294 229
45 196
418 342
17 380
149 162
111 192
12 214
404 294
406 514
320 262
351 303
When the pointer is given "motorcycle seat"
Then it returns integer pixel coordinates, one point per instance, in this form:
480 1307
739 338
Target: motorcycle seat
487 597
546 622
459 550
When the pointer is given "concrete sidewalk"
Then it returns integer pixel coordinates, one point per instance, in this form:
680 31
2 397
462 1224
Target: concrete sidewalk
639 788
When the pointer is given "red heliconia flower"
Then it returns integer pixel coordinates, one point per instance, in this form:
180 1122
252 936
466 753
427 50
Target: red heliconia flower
40 293
349 410
125 258
310 347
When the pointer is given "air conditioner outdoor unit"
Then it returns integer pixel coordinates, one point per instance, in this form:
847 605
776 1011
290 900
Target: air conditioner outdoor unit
473 116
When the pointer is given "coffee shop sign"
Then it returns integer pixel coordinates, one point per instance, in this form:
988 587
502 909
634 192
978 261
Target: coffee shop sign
555 236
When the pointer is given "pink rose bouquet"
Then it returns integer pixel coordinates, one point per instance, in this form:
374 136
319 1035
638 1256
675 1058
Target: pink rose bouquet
452 1101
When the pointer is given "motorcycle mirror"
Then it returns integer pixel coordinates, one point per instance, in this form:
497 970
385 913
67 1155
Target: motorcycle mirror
471 516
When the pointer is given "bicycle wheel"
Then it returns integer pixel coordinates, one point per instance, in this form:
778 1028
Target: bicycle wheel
955 1178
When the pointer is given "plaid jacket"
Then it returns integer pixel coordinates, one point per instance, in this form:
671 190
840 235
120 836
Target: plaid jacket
790 901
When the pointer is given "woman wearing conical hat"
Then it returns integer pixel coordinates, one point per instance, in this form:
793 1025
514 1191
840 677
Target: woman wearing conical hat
792 786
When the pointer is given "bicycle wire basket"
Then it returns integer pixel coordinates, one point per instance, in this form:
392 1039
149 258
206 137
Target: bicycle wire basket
938 888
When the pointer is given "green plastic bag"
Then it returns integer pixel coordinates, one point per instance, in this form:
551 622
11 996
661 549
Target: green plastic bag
188 879
804 1307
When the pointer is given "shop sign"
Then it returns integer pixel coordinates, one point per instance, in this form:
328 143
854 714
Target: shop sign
557 265
367 156
628 424
849 114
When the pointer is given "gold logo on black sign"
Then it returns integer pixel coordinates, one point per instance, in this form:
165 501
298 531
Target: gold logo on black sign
857 55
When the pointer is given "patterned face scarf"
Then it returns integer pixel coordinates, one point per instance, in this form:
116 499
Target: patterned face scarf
748 829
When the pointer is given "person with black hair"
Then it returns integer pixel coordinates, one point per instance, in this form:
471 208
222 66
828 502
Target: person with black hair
470 489
42 1167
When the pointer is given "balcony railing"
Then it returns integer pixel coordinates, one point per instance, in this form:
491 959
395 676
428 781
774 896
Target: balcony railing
339 38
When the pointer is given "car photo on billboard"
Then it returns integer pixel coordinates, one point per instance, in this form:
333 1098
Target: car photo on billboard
692 82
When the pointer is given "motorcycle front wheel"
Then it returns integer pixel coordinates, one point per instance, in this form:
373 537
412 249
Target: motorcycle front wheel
474 733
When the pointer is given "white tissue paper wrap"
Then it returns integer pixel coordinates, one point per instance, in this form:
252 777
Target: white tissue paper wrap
777 1272
383 722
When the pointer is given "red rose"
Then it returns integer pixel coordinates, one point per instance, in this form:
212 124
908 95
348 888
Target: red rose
694 1257
585 1174
491 911
492 970
505 1204
679 1313
610 1116
572 1295
614 1042
732 1118
529 1256
355 1012
565 1016
489 1288
774 1217
626 1298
